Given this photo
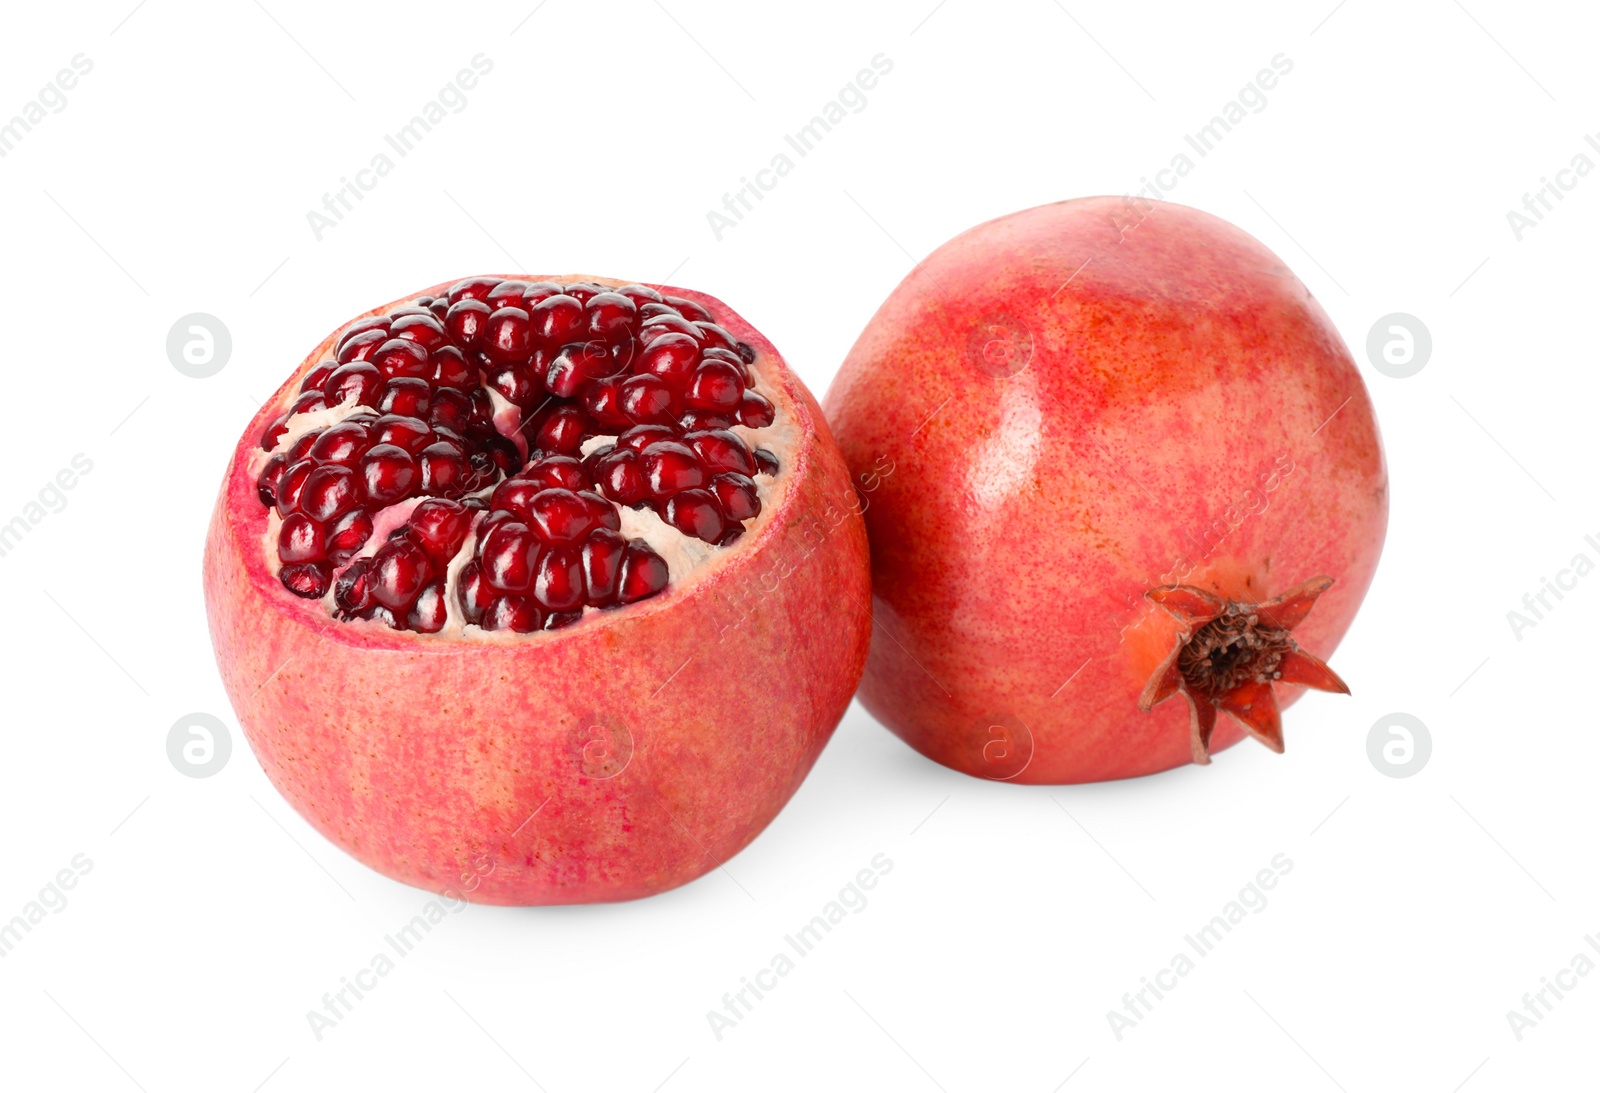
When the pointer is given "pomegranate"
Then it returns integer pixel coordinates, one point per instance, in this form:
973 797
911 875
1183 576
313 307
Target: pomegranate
1114 453
539 590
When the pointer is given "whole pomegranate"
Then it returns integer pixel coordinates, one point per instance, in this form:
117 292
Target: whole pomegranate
1113 453
540 591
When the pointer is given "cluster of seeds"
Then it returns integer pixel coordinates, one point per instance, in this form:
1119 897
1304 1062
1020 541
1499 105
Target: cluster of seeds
577 362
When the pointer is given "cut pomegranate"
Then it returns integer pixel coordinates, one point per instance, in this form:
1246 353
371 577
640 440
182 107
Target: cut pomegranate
511 532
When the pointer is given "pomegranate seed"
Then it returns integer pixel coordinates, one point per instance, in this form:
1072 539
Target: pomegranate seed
428 615
669 468
514 384
558 582
559 516
639 294
574 366
557 320
451 409
358 379
388 472
440 526
353 592
508 555
505 335
689 309
721 450
716 386
698 421
712 334
399 570
648 400
300 539
308 402
610 315
398 357
662 325
516 495
290 485
696 512
584 291
671 357
516 613
308 579
466 321
601 512
360 347
640 437
561 431
644 572
275 430
473 288
361 326
619 475
348 536
443 469
755 412
602 401
602 564
656 307
539 290
406 396
746 351
558 620
440 308
557 472
267 481
318 376
475 594
343 443
766 463
451 369
330 490
301 448
737 496
409 433
425 330
507 294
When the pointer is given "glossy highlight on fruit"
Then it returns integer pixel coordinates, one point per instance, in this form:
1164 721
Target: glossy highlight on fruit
495 624
1113 453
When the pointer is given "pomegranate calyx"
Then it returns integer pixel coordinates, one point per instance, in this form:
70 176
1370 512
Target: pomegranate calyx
1228 655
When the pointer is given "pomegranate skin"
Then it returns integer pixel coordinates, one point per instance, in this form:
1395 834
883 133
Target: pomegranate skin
1060 410
619 757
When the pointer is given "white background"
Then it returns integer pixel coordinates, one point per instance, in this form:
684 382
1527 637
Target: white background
1419 910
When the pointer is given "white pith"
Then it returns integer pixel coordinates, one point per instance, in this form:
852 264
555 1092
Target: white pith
688 559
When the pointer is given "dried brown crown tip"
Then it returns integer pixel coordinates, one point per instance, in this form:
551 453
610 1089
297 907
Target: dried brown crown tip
1229 654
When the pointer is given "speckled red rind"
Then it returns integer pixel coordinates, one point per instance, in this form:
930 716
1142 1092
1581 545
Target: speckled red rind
475 768
1173 358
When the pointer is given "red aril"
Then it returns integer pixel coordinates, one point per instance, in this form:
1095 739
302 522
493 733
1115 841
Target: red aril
475 603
